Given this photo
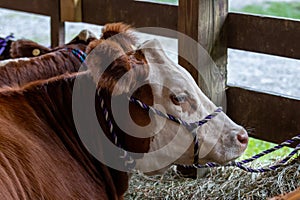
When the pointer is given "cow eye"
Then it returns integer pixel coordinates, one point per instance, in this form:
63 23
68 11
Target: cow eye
178 99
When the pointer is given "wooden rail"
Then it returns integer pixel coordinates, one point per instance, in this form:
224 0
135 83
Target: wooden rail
268 35
137 13
209 23
42 7
272 118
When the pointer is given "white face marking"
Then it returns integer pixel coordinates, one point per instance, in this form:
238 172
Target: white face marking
173 144
16 60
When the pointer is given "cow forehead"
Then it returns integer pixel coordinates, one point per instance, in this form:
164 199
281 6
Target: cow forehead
164 71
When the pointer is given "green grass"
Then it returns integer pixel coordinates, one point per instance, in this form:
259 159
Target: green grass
256 146
279 9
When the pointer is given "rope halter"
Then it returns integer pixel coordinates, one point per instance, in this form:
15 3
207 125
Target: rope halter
191 127
130 162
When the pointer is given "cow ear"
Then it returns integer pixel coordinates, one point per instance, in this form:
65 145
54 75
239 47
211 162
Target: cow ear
85 36
120 33
111 68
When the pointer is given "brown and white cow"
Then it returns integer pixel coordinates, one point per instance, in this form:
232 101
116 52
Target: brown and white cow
45 65
43 157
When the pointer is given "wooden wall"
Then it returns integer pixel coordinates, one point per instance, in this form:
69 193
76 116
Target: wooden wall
274 118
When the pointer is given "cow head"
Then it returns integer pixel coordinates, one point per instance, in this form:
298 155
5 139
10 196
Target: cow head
146 73
27 48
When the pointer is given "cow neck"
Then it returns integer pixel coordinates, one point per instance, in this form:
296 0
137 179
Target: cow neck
124 141
38 68
52 103
120 178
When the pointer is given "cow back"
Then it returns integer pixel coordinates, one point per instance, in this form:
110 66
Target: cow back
20 72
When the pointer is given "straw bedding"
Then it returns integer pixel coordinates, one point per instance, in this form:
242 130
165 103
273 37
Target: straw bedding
218 183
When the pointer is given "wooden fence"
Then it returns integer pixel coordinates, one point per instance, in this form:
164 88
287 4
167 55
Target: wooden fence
274 118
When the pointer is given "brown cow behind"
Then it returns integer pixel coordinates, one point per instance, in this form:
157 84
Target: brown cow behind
27 48
24 71
58 61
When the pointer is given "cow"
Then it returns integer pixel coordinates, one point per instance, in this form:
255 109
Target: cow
27 48
45 65
42 155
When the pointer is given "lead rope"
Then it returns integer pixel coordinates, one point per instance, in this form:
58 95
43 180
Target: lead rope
256 170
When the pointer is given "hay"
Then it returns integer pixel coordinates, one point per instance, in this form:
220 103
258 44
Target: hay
220 183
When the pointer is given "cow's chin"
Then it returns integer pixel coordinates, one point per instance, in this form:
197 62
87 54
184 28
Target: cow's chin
220 157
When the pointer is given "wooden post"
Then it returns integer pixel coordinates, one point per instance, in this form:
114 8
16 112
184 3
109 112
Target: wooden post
71 10
57 32
203 21
57 26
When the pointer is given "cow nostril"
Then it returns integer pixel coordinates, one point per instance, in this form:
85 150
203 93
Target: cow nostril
243 138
